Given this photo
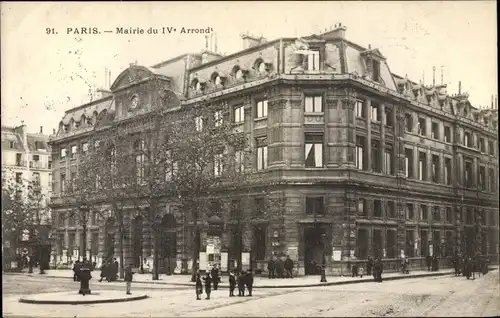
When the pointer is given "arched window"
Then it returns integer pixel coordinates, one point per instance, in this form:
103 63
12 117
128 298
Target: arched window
262 67
140 156
218 81
239 74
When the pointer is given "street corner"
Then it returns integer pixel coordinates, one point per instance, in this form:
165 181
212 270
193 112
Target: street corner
73 298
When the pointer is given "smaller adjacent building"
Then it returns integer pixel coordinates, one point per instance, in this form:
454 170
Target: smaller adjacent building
26 158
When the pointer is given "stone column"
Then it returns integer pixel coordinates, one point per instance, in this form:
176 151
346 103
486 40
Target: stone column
429 164
351 133
475 172
459 175
441 168
399 147
102 239
368 136
415 162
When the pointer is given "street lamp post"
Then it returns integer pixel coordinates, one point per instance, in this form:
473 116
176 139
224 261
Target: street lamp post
323 265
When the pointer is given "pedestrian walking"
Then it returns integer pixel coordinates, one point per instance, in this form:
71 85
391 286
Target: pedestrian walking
428 262
241 284
104 268
128 278
232 283
355 270
288 267
208 284
76 271
115 270
249 282
270 268
279 268
199 286
215 276
369 266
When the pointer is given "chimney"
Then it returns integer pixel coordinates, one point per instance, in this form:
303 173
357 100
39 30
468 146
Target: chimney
109 78
459 87
442 81
106 77
251 41
496 101
337 33
41 129
492 101
215 43
206 42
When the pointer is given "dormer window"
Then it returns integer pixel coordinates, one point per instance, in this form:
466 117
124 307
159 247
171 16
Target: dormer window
198 87
375 70
262 67
312 62
218 81
465 112
239 74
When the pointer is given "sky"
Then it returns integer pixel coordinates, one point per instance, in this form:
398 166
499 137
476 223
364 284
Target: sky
42 75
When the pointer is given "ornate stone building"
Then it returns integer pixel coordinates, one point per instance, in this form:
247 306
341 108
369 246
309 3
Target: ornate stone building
369 162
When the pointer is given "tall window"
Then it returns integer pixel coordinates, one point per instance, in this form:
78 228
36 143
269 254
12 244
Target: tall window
377 208
376 164
262 109
36 178
239 114
422 166
435 168
85 148
389 166
424 240
140 158
424 215
409 211
314 150
313 104
360 146
73 184
239 156
447 171
63 182
360 108
421 126
261 153
259 206
259 242
468 139
73 151
491 174
50 180
391 243
388 117
449 215
435 130
491 147
408 123
409 163
482 145
391 209
468 174
171 166
361 207
410 243
482 178
436 213
374 112
313 61
63 153
315 206
447 134
218 159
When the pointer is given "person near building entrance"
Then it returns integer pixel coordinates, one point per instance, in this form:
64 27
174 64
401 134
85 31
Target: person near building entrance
355 270
104 271
435 263
208 284
215 276
369 266
76 271
128 277
288 267
249 282
270 268
428 262
280 267
232 283
199 286
361 271
377 270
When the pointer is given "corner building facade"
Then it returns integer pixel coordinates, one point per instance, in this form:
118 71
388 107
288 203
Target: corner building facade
369 163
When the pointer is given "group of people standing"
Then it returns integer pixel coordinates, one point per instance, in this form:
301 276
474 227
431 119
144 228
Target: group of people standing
279 268
432 263
109 270
373 267
468 266
78 265
241 279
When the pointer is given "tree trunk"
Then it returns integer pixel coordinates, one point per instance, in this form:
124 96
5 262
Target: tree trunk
155 275
196 253
84 237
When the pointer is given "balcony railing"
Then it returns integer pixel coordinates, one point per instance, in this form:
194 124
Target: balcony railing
38 165
21 163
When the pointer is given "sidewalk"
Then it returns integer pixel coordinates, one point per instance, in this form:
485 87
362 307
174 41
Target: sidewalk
260 282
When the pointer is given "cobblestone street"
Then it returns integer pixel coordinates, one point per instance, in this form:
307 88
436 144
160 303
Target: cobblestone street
430 296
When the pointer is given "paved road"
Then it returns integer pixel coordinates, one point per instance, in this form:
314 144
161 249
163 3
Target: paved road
436 296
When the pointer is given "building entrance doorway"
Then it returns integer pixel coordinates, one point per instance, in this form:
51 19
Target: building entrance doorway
314 247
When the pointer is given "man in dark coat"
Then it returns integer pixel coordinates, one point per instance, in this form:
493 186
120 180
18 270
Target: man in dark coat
428 262
232 283
76 271
270 268
354 270
215 276
199 286
249 282
241 284
115 270
208 284
288 267
369 266
104 270
279 268
455 262
377 270
435 263
128 278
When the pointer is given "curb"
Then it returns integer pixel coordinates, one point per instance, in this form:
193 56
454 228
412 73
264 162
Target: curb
346 282
81 302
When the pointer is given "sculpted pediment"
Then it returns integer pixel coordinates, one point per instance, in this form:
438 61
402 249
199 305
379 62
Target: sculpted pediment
132 74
